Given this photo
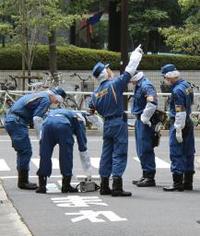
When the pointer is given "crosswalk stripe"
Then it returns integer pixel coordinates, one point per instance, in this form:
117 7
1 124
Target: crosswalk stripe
55 163
160 164
4 166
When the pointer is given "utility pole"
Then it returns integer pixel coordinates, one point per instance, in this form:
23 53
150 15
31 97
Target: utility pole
124 42
114 25
124 34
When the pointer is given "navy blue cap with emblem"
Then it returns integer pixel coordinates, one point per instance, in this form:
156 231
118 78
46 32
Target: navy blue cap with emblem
98 68
167 68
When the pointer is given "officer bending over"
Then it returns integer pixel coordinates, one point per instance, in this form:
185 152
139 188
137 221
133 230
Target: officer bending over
59 128
181 134
27 108
107 100
143 107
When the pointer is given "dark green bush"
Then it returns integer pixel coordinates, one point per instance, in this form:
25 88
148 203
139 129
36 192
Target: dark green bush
74 58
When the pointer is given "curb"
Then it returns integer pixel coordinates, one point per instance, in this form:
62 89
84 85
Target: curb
10 221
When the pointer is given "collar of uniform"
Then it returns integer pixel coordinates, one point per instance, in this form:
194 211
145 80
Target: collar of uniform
139 83
177 82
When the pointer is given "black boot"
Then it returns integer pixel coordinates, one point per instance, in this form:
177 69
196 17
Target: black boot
148 180
23 181
104 186
177 185
117 190
66 187
135 182
188 180
42 184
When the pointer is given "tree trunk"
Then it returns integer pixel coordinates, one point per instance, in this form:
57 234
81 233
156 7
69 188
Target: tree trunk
52 53
114 26
73 34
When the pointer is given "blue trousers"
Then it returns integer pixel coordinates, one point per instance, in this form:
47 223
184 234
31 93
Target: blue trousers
144 146
18 132
55 132
182 154
115 147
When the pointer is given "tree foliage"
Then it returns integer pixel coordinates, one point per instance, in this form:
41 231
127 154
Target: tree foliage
185 39
145 18
35 17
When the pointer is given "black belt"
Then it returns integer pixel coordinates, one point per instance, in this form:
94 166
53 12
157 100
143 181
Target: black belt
137 116
15 114
113 117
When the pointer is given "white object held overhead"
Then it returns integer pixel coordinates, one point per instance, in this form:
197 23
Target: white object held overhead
134 60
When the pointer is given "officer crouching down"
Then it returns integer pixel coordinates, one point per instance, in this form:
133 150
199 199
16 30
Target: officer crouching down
27 108
107 100
181 134
59 128
143 107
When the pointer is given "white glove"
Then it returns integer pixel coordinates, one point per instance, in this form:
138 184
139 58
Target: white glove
179 136
147 113
96 121
180 120
37 121
145 120
134 61
85 161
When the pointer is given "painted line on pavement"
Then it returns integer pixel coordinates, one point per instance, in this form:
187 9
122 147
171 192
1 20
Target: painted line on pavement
55 163
160 164
4 166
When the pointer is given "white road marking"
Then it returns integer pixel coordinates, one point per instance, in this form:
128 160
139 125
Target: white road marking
94 216
55 163
160 164
4 166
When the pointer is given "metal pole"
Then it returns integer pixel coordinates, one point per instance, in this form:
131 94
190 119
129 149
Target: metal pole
124 34
124 42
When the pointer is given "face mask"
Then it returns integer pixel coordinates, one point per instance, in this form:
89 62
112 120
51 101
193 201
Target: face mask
166 82
54 106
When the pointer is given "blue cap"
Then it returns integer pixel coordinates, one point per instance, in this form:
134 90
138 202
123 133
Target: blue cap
98 68
167 68
59 91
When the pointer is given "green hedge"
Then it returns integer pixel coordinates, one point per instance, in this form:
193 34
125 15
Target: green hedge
74 58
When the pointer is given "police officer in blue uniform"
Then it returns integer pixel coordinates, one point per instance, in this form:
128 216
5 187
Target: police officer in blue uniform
181 134
27 108
143 107
107 100
59 128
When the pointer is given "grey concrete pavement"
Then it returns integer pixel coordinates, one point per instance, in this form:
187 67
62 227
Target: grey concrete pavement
11 223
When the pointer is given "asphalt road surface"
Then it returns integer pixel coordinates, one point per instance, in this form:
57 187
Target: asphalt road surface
149 212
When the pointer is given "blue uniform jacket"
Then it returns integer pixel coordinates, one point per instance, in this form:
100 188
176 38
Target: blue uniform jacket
107 98
30 105
181 98
77 125
144 92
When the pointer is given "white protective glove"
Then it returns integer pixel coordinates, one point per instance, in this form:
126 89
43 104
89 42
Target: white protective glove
96 121
134 60
179 124
145 120
37 121
179 136
85 161
180 120
147 113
